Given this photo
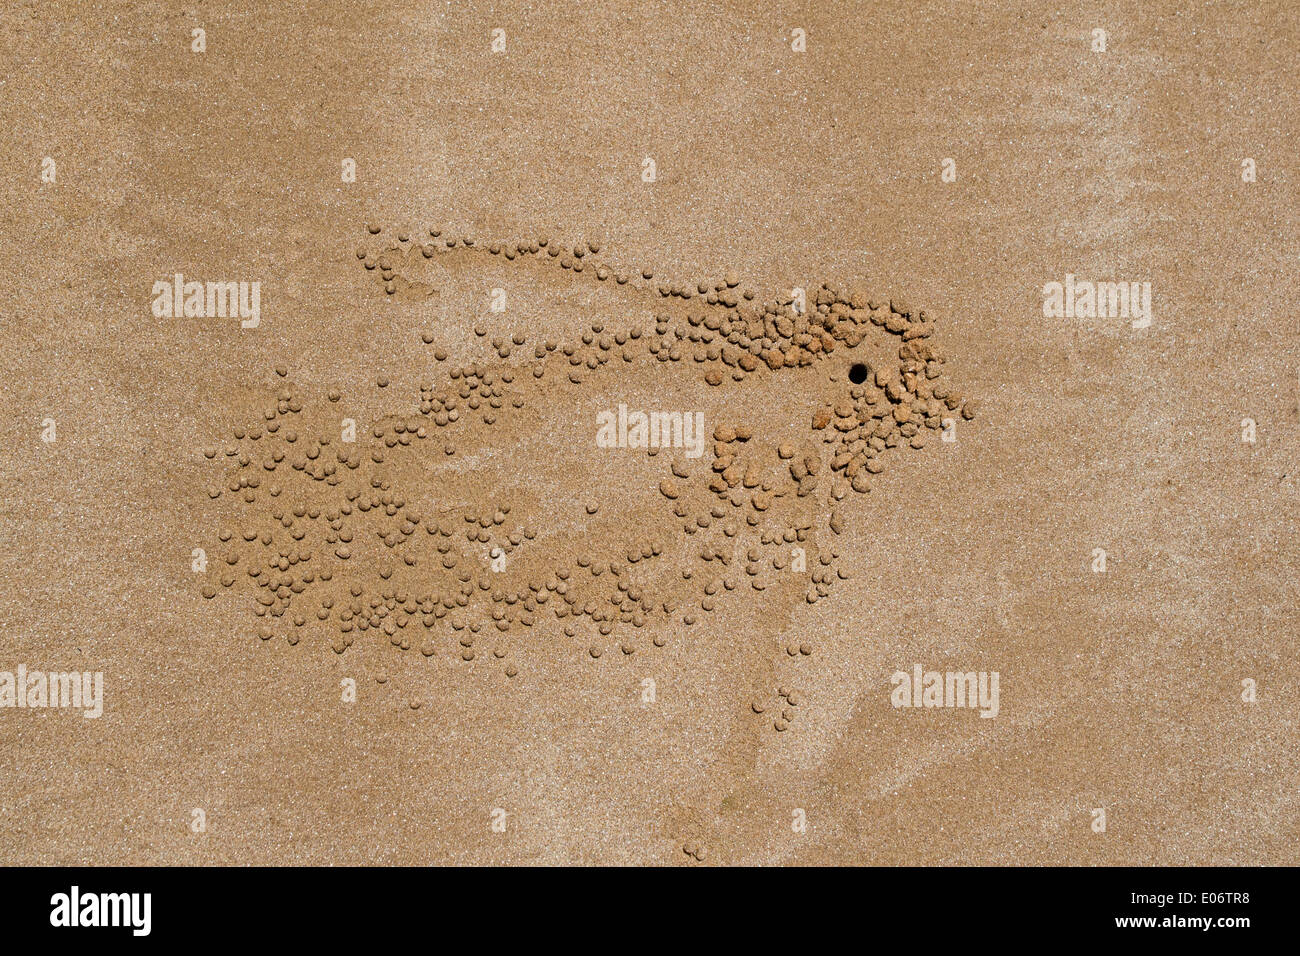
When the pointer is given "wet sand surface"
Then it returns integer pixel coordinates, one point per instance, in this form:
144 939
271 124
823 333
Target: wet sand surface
703 699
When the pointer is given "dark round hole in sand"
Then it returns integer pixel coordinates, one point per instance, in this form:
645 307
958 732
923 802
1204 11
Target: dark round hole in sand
857 373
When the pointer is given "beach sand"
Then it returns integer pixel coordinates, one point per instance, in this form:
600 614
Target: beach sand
920 172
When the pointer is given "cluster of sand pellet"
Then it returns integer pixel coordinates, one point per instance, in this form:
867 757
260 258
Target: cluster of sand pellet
324 538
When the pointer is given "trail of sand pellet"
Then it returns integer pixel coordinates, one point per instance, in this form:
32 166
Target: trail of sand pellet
449 526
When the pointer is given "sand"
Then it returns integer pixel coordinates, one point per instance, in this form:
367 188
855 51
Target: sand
385 567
